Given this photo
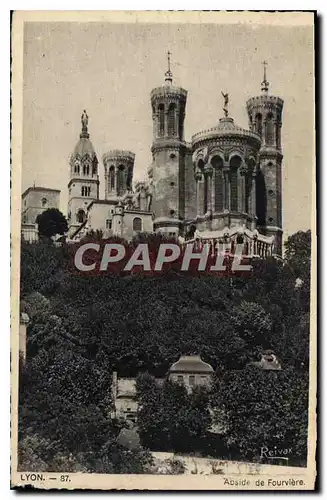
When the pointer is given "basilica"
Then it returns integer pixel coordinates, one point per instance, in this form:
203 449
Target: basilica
224 186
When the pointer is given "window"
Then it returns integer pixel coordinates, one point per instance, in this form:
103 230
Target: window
234 165
24 219
111 179
258 120
86 191
171 120
180 379
44 202
191 379
218 190
205 195
161 112
120 180
81 217
76 168
108 224
137 224
86 169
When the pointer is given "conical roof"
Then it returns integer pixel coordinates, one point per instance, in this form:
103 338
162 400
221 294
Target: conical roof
191 364
84 146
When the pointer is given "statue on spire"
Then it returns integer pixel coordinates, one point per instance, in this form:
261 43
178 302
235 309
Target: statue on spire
226 101
168 74
264 83
85 121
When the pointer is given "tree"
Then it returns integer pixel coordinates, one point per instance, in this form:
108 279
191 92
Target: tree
51 222
252 323
298 252
264 409
169 418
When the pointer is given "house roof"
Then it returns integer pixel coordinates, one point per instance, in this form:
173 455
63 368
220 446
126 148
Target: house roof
191 364
39 188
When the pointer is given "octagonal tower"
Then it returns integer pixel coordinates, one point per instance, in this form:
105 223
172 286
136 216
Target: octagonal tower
118 173
168 151
265 118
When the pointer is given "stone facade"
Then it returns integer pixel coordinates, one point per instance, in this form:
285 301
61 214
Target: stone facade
35 200
223 187
188 370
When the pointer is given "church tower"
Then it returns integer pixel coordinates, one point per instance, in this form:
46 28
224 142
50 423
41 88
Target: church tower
265 118
83 186
168 150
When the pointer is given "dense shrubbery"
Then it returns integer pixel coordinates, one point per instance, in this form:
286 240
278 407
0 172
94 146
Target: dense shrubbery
84 327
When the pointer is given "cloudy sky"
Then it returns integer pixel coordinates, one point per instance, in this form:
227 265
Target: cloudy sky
109 69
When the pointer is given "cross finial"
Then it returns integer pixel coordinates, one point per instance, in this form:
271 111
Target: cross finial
264 83
168 74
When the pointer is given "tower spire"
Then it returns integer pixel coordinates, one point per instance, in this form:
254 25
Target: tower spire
264 83
168 74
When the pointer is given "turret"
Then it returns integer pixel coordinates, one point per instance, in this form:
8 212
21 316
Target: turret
168 150
265 118
118 171
118 219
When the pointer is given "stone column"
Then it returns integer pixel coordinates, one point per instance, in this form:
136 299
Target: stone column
198 176
226 170
208 171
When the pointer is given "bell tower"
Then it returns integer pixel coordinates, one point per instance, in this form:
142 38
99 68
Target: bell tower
83 185
168 151
265 118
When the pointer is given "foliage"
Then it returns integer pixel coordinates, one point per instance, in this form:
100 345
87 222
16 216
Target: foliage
84 327
51 222
264 409
169 418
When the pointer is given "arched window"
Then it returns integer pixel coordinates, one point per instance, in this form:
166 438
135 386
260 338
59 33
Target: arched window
205 194
234 166
44 202
217 164
261 198
171 119
94 166
137 224
269 130
161 112
181 122
76 167
111 180
81 216
120 179
86 169
258 122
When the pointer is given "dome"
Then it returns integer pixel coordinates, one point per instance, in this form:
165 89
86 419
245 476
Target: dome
84 145
226 128
191 364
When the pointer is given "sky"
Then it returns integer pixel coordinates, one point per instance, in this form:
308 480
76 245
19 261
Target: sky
109 69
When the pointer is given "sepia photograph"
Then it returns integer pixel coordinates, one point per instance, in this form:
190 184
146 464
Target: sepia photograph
163 231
